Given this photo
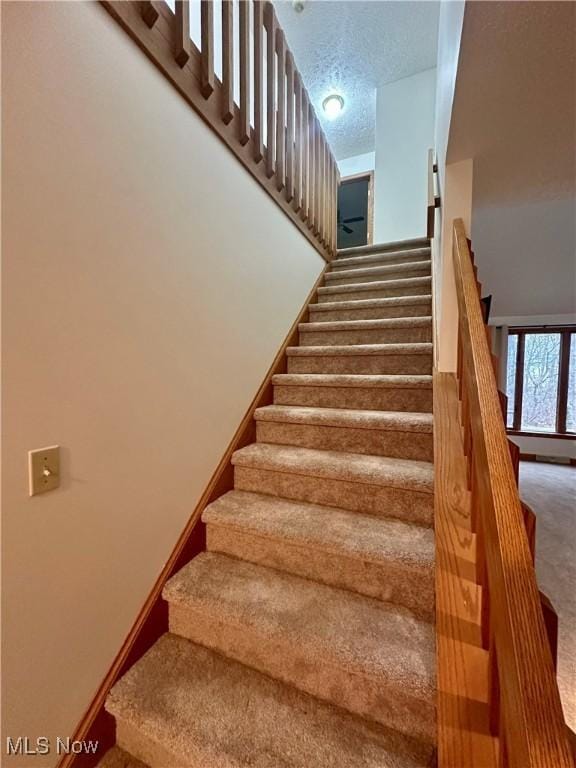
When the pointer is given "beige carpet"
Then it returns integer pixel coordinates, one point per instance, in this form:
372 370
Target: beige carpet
550 489
304 636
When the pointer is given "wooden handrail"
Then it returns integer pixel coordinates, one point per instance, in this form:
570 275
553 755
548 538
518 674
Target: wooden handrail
433 199
293 161
525 704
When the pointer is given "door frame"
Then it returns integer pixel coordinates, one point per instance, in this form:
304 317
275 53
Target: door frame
370 223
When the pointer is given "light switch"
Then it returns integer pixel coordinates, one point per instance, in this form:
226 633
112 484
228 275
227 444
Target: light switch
44 469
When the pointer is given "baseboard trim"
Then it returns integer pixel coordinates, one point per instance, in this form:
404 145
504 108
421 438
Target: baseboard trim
152 620
536 457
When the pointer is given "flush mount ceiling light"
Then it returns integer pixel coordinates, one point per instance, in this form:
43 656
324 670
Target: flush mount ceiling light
333 105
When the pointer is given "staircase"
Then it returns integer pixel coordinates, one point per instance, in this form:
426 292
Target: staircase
303 637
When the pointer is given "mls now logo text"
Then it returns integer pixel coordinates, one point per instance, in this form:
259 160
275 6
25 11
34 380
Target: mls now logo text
23 745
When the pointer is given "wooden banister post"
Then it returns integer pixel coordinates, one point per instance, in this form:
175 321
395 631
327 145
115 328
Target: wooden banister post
149 12
289 127
298 147
281 112
207 53
258 81
245 91
227 61
270 26
182 41
304 205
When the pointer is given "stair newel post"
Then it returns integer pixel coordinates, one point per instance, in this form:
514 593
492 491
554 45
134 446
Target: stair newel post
207 43
297 197
270 26
227 61
281 112
289 127
258 80
182 36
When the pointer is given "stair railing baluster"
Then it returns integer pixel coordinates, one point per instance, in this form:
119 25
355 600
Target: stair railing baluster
305 203
245 91
227 61
281 111
182 38
207 42
270 26
289 127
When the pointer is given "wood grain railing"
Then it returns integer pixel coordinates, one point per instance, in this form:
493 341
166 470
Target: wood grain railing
273 130
433 199
525 709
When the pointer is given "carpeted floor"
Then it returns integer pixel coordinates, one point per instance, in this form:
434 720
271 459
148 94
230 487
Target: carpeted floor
550 489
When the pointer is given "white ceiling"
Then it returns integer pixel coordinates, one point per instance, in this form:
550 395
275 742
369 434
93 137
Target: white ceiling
353 46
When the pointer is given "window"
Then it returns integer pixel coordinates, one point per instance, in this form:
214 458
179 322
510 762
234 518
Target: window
541 381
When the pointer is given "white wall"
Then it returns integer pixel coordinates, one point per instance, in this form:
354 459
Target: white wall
449 39
404 134
546 446
350 166
526 251
148 282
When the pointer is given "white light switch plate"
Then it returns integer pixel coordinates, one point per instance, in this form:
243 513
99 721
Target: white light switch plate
44 469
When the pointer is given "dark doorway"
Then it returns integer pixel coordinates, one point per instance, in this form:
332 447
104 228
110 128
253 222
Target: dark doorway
355 208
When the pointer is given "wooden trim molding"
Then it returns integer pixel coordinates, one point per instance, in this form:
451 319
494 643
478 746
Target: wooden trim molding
565 333
152 621
550 435
155 28
370 223
566 460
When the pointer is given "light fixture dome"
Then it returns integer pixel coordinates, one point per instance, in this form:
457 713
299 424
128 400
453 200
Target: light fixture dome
333 105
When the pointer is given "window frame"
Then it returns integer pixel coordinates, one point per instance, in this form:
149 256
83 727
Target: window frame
565 332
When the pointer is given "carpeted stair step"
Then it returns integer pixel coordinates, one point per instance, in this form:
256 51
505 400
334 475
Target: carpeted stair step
377 433
382 258
385 272
374 485
397 245
362 358
377 289
383 393
371 658
384 559
386 331
118 758
184 706
371 309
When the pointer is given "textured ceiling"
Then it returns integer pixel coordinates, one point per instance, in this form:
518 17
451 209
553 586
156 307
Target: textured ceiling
351 47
